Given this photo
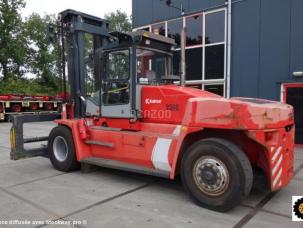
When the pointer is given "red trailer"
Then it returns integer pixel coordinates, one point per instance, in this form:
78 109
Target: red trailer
11 104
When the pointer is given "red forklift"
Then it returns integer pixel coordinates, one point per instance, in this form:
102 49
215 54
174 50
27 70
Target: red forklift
138 119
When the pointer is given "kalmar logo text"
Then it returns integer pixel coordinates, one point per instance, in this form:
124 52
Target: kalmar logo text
152 101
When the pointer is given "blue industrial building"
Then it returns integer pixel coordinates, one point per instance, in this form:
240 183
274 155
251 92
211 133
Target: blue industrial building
254 48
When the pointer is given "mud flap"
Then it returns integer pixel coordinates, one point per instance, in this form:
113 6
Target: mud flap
17 139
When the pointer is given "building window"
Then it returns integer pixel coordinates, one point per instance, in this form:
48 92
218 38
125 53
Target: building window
195 86
174 28
216 89
159 29
194 30
193 58
215 27
214 62
213 88
176 63
214 48
205 48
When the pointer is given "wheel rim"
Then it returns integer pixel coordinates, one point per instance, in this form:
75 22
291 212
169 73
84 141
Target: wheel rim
48 106
211 175
60 148
34 106
17 108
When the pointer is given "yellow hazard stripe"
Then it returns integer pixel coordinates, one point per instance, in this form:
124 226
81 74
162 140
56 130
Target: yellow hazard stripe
117 90
13 138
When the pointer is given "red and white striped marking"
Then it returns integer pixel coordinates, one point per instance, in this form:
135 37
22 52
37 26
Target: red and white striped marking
276 161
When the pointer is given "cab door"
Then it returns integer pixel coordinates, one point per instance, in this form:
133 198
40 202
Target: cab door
117 84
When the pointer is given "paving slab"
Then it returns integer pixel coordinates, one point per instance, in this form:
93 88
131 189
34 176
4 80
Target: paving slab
3 138
299 153
4 156
22 171
281 202
300 175
13 208
4 147
41 129
162 204
4 130
67 193
255 197
298 164
266 220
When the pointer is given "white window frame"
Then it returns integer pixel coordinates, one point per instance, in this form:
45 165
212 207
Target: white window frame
214 44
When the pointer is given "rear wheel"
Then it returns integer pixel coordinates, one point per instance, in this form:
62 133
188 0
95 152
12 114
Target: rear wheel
16 108
216 174
48 107
34 106
61 150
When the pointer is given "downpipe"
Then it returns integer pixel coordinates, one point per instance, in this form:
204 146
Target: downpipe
183 63
228 70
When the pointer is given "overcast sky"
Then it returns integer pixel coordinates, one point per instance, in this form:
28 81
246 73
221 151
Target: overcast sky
95 7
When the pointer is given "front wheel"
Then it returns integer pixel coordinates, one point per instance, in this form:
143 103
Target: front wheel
61 150
216 174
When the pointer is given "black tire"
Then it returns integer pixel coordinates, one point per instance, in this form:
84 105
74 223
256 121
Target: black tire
62 161
16 108
232 172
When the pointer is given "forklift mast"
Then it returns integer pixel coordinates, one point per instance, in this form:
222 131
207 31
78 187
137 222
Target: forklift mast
75 25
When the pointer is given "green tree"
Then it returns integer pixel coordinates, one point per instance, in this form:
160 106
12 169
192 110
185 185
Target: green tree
43 55
12 40
119 21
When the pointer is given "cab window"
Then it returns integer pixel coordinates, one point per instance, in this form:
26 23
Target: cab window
152 66
115 83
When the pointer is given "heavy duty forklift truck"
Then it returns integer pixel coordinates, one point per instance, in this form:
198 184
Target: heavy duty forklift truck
138 119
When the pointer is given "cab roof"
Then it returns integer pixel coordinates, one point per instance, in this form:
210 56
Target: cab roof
153 36
141 38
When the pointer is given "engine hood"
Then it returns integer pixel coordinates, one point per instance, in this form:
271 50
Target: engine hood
238 113
193 107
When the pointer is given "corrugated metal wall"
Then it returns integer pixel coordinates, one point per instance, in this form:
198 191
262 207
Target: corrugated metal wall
267 40
267 46
149 11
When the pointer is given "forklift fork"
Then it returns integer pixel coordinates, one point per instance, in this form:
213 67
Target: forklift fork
18 150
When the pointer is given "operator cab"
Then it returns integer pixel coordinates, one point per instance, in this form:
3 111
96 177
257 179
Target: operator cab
152 54
129 62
